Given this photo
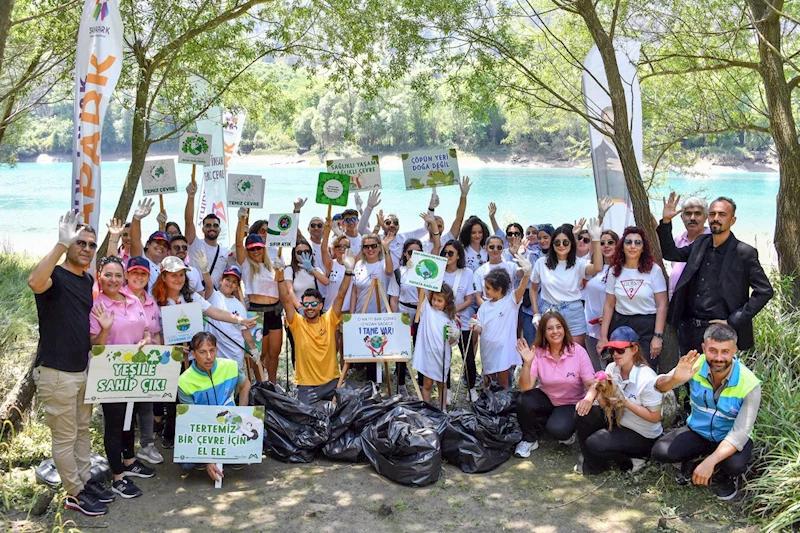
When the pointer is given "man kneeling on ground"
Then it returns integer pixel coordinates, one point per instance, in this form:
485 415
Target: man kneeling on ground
211 381
725 396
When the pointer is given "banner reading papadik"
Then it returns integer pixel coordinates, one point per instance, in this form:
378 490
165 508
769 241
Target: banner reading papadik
218 434
123 373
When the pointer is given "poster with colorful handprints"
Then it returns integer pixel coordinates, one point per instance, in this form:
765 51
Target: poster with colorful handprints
332 189
364 172
245 190
430 168
376 336
181 322
219 434
426 271
124 373
195 149
158 177
282 230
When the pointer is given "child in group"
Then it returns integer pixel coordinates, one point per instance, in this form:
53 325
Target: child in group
437 322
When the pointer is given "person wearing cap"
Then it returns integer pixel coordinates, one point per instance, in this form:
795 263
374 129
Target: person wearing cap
137 274
231 338
316 369
725 397
199 279
157 246
262 294
209 247
629 440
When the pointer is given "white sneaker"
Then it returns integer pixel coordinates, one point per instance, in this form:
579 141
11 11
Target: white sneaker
150 454
473 395
638 464
570 441
524 448
448 399
578 468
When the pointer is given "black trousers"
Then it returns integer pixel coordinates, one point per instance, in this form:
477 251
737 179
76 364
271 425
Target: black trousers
644 326
535 411
118 444
690 337
683 445
601 447
468 349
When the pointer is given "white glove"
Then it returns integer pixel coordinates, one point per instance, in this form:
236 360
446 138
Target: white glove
434 203
452 332
349 261
68 229
595 229
474 323
374 199
161 218
336 229
359 202
536 319
464 185
299 203
278 264
143 208
524 265
191 189
242 212
200 261
603 206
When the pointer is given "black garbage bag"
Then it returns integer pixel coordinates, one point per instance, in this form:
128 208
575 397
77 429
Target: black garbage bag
495 401
404 444
293 431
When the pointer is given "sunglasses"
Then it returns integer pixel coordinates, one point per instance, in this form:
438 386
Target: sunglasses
633 242
302 252
316 225
391 223
210 225
83 244
560 242
494 247
450 253
513 234
351 220
585 240
619 351
262 231
342 247
370 246
310 304
180 247
607 243
411 252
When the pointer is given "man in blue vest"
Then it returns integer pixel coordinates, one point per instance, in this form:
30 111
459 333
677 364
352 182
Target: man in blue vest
725 396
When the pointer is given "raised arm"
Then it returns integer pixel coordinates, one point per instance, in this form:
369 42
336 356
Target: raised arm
433 230
373 200
455 228
595 231
493 218
284 291
115 229
327 260
526 268
161 218
387 256
526 381
349 262
142 210
298 206
190 231
241 252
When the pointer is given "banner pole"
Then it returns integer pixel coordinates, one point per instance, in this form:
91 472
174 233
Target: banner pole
126 426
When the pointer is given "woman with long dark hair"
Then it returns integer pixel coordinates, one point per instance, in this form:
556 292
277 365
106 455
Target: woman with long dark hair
473 237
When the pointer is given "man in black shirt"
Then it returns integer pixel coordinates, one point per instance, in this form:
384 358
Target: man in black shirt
714 287
63 302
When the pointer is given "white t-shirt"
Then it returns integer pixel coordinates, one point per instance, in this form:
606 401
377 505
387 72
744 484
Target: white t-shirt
155 270
475 259
355 243
304 280
226 347
640 390
635 291
363 274
204 305
561 284
427 243
396 246
498 340
594 296
466 286
431 346
262 282
406 293
317 251
200 245
195 279
481 273
335 279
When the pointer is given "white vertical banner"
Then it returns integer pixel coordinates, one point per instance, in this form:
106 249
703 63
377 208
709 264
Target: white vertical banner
608 177
213 186
98 64
232 127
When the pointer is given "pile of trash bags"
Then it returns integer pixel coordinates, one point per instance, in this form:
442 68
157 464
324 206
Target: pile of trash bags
405 441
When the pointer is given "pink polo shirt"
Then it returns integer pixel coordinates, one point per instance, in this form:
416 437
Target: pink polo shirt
151 310
129 320
562 380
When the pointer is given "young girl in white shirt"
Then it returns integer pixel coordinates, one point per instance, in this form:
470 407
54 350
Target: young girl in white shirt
436 333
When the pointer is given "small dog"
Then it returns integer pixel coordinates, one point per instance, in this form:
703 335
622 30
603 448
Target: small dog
613 398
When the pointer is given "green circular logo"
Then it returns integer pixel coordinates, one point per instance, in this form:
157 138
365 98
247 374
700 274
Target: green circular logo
427 269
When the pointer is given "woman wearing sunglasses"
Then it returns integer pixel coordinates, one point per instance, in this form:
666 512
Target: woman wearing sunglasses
594 297
335 267
560 276
636 295
494 251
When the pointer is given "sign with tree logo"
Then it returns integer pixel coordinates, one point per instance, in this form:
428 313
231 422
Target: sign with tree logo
435 168
158 177
195 148
245 190
219 434
332 189
426 271
124 373
181 322
364 172
282 230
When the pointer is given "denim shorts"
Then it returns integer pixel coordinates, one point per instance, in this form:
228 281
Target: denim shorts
572 313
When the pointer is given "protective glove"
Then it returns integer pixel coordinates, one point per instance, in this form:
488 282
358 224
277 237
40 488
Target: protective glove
374 199
200 261
524 265
452 332
278 264
242 213
359 202
161 218
305 262
68 229
474 323
536 319
595 229
143 208
349 261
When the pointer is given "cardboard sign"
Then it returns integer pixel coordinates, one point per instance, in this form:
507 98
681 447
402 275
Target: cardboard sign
364 172
218 434
245 190
181 322
376 336
158 177
426 271
332 189
195 148
282 230
435 168
123 373
257 331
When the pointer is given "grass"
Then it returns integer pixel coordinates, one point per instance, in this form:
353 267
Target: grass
18 321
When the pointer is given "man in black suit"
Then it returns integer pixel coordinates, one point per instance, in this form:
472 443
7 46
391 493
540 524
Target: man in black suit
714 287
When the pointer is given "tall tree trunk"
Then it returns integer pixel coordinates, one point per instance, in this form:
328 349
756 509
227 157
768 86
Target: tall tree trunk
18 401
784 133
6 8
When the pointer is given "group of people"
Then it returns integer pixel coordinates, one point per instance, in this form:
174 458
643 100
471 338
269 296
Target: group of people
550 303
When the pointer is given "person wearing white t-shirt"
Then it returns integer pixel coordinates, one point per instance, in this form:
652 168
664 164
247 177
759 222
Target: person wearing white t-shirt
636 295
432 347
496 323
560 275
594 297
231 338
216 253
199 279
494 249
626 441
473 236
336 270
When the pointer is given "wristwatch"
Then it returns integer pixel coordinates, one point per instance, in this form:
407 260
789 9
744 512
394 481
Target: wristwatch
658 336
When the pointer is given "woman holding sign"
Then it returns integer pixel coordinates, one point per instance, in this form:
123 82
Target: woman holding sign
403 298
118 318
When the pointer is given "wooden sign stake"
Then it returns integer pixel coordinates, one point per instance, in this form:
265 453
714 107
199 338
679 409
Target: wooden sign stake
194 169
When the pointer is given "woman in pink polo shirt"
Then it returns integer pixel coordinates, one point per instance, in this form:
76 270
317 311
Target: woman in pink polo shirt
564 372
117 318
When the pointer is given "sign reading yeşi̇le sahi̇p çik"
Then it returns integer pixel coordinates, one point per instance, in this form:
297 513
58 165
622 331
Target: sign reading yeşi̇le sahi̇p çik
124 373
